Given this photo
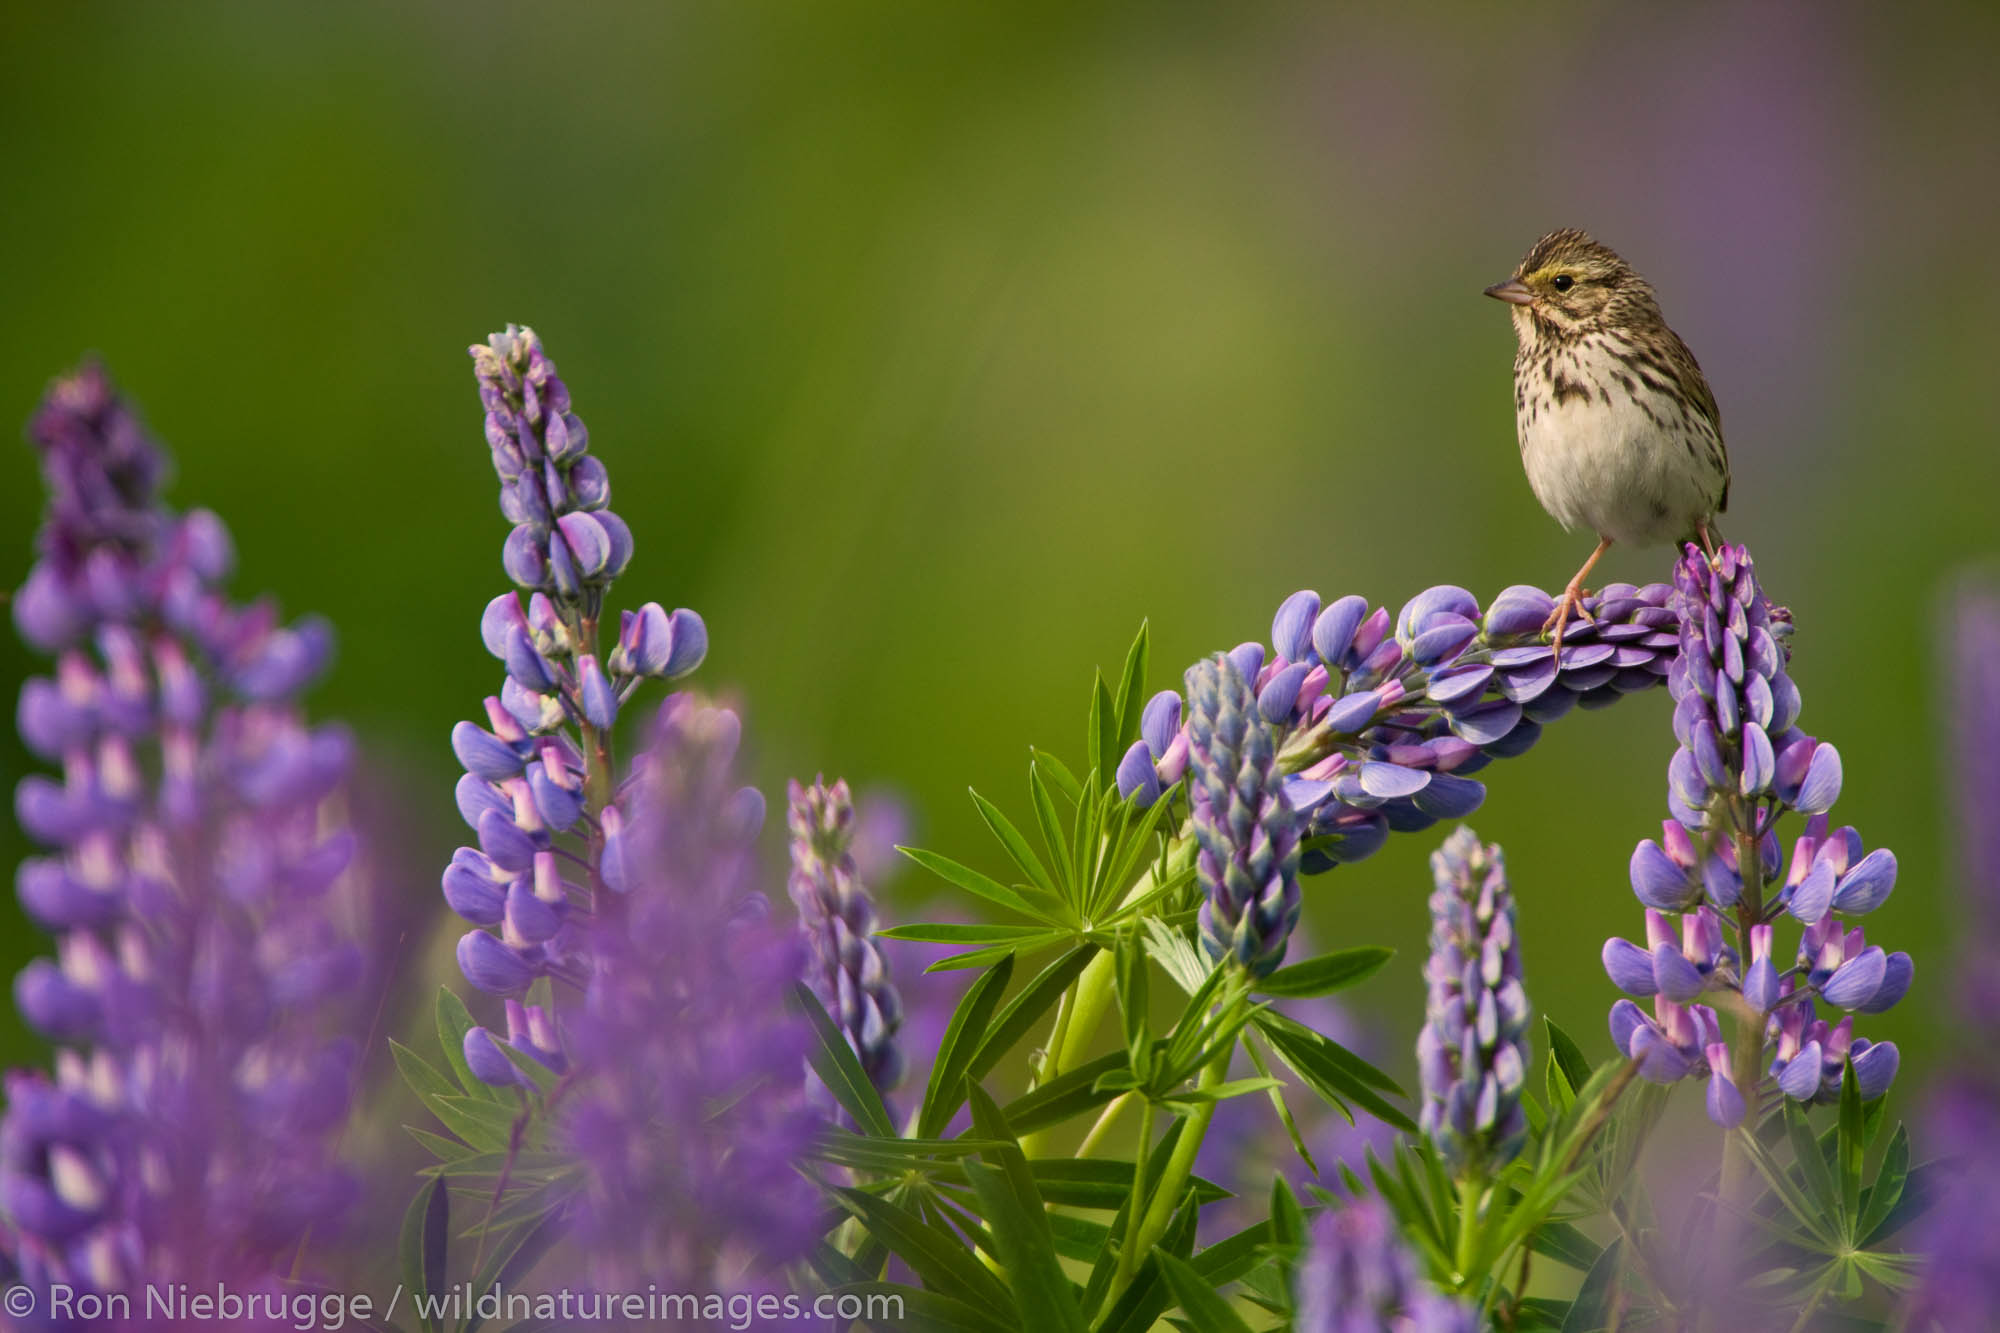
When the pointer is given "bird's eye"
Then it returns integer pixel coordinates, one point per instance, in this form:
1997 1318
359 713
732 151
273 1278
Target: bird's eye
1562 282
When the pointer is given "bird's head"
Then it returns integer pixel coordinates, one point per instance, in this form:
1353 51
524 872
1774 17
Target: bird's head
1568 284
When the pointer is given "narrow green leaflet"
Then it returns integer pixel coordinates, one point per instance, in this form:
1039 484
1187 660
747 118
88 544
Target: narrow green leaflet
513 1259
1592 1307
1016 846
965 877
961 1041
1332 1070
1020 1013
1568 1057
1325 974
1069 1094
935 1255
425 1237
1204 1306
834 1061
1132 691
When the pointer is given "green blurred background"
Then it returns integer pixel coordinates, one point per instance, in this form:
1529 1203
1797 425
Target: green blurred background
932 346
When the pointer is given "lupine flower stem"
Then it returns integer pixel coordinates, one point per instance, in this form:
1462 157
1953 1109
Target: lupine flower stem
1160 1211
1471 1190
1747 1030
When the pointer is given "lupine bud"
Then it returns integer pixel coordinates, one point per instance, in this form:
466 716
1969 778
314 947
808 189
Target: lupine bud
1248 834
1472 1052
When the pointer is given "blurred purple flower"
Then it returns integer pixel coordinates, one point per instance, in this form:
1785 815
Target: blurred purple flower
197 871
844 967
1358 1276
683 1098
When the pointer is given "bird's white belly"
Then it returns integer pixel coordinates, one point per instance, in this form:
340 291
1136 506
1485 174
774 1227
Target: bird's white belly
1609 467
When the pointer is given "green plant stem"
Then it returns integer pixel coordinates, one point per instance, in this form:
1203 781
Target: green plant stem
1471 1189
1133 1251
1109 1116
1746 1046
1159 1212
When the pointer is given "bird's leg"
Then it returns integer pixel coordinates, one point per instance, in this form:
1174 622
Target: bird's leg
1572 596
1707 541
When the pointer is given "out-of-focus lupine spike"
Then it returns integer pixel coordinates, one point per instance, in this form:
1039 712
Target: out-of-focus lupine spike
194 846
686 995
1742 764
1357 1276
1248 863
1472 1052
845 965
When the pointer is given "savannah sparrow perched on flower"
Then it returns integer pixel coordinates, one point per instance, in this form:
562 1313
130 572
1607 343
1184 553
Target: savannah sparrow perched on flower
1619 432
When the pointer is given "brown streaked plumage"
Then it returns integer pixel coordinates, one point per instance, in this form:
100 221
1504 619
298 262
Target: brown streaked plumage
1619 432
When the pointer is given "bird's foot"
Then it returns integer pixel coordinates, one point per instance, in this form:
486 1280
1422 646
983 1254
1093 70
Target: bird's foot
1570 601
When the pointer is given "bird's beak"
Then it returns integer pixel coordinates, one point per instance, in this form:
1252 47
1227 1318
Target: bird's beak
1513 292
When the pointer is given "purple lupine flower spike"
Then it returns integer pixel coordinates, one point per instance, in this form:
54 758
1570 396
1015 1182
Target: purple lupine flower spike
845 966
685 997
1248 834
1380 723
1742 763
1357 1276
195 874
526 791
1473 1050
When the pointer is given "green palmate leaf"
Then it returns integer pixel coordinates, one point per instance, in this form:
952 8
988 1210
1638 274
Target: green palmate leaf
834 1061
1078 1238
961 1041
1016 846
1592 1308
1130 981
1221 1092
423 1246
1288 1220
1132 690
513 1259
1020 1013
1325 974
454 1020
1069 1094
1284 1110
423 1077
965 877
1811 1162
1888 1187
1921 1189
1054 836
1104 753
1331 1070
1797 1202
933 1253
1204 1306
444 1149
1566 1244
1026 1247
1567 1057
1851 1143
485 1125
1057 772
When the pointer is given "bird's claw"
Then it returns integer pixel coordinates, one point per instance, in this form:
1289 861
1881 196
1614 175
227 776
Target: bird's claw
1570 601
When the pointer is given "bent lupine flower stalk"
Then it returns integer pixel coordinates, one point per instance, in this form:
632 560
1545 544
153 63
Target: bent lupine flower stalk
1473 1051
1357 1276
537 789
1380 724
845 965
1248 865
195 870
1741 766
685 1102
